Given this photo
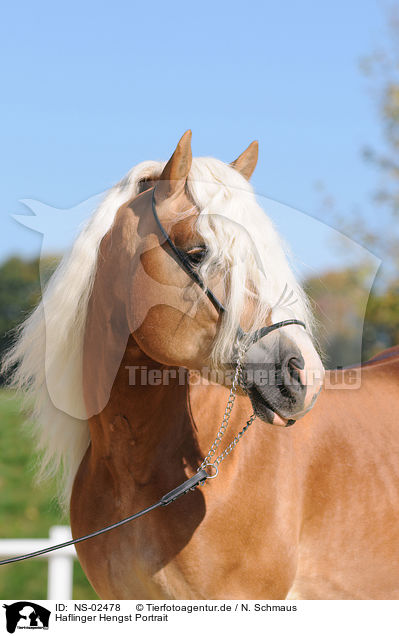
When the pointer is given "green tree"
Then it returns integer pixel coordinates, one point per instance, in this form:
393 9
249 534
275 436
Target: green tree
336 292
339 300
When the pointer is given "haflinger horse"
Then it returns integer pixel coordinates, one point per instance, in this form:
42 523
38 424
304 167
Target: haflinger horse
129 358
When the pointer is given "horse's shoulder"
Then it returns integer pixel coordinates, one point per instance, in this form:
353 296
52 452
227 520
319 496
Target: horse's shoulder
388 355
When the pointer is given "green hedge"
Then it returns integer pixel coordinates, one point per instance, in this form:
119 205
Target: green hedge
26 509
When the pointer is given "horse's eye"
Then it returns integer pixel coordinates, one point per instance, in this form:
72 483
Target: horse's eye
197 254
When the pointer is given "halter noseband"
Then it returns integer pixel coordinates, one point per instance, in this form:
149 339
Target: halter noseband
188 267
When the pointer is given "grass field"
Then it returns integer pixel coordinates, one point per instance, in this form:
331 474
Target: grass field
26 509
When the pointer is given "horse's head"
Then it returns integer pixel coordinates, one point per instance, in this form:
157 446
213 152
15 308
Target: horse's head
207 225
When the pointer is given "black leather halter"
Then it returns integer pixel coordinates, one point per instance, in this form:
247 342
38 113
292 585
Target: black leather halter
190 269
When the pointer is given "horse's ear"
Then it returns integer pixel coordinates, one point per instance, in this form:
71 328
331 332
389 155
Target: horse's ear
176 171
246 162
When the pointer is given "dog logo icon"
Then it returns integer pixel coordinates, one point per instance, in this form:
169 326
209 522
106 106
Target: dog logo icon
26 615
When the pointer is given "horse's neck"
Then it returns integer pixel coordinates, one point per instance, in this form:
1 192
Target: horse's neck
153 420
146 414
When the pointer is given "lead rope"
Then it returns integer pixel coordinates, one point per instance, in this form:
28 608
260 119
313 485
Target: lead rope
201 476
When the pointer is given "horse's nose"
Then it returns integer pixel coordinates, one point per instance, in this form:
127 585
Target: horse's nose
282 378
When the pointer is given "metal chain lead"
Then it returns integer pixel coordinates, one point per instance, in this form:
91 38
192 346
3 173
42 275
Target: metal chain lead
235 441
225 422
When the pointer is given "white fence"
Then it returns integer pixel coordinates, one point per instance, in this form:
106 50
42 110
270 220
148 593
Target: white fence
60 562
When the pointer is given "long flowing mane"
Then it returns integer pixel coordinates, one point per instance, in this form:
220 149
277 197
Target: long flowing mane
49 344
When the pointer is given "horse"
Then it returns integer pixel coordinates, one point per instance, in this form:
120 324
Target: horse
177 312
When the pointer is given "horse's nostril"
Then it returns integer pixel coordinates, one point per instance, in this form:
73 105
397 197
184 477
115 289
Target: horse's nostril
297 362
296 370
294 373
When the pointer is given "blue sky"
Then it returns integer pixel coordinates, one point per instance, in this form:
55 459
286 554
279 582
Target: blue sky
90 89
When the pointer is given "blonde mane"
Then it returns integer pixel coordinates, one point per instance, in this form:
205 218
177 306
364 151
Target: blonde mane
242 244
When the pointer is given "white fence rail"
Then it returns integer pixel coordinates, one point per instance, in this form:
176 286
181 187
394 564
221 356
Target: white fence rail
60 562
